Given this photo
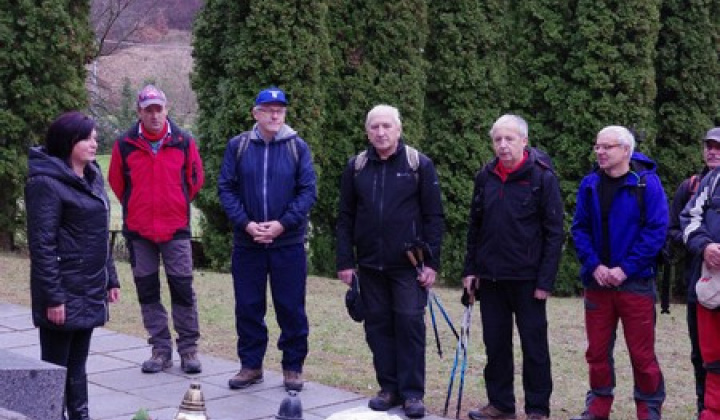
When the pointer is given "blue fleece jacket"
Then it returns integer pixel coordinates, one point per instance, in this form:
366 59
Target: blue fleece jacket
634 245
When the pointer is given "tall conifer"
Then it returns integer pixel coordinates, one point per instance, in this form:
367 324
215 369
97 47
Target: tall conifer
241 47
44 46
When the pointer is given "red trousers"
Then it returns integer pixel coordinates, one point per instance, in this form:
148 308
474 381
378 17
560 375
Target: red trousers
603 310
709 332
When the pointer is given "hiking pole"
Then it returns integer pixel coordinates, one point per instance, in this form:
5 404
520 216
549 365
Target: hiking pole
444 314
452 377
414 261
465 340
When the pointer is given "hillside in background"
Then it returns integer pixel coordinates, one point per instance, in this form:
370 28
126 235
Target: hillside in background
167 62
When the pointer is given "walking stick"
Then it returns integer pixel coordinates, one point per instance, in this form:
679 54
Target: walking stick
465 339
461 350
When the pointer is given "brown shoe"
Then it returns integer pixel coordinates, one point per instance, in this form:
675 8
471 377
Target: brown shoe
189 363
158 362
588 416
292 380
245 378
414 408
383 401
490 412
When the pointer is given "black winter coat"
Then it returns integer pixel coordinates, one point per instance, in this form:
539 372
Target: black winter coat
68 229
515 228
385 206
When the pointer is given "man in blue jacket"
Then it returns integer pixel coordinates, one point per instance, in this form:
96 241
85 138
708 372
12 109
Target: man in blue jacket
619 228
267 188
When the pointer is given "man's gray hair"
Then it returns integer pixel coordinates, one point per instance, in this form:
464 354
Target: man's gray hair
622 134
383 109
515 121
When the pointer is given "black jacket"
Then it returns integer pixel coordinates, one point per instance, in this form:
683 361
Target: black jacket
675 247
515 230
67 229
385 206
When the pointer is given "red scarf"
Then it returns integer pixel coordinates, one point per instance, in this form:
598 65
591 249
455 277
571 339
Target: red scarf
154 137
503 172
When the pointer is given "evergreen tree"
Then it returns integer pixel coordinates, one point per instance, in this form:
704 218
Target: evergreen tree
377 52
241 47
466 91
540 38
44 46
688 78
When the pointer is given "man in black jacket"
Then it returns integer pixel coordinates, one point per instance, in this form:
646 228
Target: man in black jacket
389 198
514 244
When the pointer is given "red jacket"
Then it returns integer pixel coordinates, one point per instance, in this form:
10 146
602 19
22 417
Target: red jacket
155 190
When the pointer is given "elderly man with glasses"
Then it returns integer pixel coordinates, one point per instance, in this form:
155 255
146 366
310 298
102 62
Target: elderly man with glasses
267 188
619 228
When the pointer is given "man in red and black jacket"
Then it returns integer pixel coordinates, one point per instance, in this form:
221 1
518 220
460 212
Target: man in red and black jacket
155 172
514 241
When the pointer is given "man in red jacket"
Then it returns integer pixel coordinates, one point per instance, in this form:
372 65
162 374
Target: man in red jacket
155 172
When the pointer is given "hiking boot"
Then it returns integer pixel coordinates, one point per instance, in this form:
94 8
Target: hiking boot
537 416
489 412
292 380
383 401
245 378
587 416
189 363
414 408
158 362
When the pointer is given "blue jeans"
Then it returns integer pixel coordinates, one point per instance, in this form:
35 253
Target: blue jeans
286 268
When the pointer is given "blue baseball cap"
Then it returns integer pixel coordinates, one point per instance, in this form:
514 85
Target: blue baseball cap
271 95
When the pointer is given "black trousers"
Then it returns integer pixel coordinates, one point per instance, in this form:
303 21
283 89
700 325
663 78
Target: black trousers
69 349
395 329
499 302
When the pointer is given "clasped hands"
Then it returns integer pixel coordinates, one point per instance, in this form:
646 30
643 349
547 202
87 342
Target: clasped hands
264 232
609 277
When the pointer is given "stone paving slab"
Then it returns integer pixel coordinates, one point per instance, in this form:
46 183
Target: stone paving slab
118 388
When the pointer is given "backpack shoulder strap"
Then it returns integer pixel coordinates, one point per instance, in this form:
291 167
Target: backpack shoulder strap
693 184
640 196
292 147
360 161
413 159
243 143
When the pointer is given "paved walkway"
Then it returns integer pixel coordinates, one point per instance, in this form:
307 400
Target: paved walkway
118 388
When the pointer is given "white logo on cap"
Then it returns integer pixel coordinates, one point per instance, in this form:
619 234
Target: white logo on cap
274 93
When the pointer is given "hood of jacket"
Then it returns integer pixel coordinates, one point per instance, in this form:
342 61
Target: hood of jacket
40 163
285 133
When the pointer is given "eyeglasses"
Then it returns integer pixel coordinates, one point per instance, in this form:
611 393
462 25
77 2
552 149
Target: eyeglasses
605 147
272 111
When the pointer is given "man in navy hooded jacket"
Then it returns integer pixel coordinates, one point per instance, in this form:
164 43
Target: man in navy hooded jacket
619 228
267 188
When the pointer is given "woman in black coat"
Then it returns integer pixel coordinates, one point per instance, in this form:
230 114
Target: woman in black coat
72 275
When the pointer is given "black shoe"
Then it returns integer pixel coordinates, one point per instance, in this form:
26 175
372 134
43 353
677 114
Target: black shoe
383 401
414 408
490 412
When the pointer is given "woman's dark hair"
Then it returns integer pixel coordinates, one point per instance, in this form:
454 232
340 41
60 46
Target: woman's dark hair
66 131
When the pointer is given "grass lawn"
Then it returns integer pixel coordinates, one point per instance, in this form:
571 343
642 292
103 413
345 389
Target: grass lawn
339 356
